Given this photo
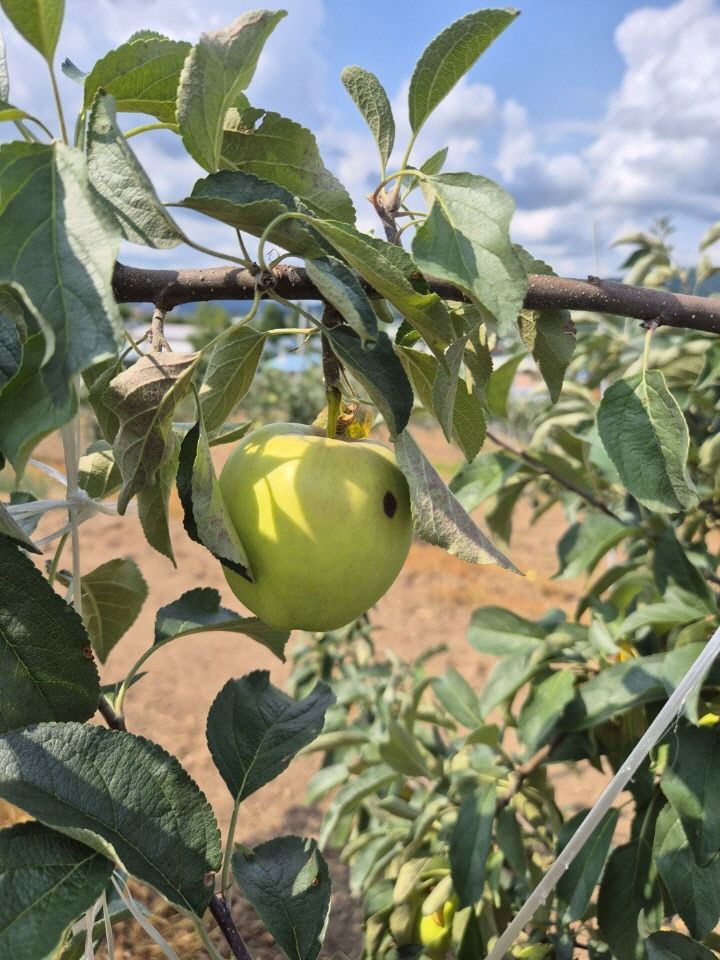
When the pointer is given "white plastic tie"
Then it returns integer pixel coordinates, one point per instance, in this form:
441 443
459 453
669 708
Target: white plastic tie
662 722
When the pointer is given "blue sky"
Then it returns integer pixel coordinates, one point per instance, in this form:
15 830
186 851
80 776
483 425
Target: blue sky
596 115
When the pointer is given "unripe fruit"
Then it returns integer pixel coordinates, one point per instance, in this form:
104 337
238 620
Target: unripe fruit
435 930
326 525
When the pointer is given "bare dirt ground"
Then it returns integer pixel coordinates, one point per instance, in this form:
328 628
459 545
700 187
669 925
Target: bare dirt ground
430 603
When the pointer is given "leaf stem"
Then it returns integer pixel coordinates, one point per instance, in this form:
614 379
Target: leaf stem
58 104
56 558
125 685
646 348
288 215
114 720
225 875
145 127
272 295
215 253
70 439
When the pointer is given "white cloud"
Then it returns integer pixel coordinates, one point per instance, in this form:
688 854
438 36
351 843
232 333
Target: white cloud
661 135
653 153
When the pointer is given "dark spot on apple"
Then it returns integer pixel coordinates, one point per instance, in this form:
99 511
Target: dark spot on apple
389 504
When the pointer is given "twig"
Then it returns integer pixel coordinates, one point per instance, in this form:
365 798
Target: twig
540 467
220 910
114 720
157 331
526 770
168 288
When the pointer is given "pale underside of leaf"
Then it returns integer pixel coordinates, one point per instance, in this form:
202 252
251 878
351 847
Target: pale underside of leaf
119 179
439 518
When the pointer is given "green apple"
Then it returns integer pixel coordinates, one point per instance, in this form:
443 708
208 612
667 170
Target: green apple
326 525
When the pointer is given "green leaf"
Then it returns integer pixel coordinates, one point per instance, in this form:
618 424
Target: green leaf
206 517
97 379
98 474
476 482
646 437
118 178
254 730
628 891
470 843
37 21
583 545
507 677
449 56
122 795
11 346
45 673
445 386
287 882
73 72
497 391
144 399
500 518
401 751
468 427
248 203
217 69
439 518
369 97
509 837
11 529
229 373
372 780
624 685
677 578
500 632
339 286
153 501
58 247
283 152
671 613
46 882
465 240
693 890
458 697
711 236
577 885
379 371
668 945
112 596
388 268
27 411
142 75
542 710
9 113
549 335
690 782
199 611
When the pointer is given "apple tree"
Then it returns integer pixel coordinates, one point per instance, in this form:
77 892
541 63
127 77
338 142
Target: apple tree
446 826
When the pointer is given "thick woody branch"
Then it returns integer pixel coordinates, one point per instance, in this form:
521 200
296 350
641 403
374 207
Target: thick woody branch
168 288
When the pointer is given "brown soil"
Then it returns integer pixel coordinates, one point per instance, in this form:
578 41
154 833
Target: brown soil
430 604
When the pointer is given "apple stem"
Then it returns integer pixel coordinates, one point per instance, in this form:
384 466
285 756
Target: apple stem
334 409
332 369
